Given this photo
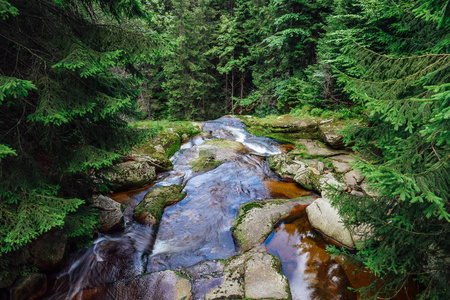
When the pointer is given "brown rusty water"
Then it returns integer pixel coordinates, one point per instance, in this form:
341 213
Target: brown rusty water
198 227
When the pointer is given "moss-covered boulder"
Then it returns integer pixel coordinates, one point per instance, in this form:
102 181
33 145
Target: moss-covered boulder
256 219
283 128
151 208
130 174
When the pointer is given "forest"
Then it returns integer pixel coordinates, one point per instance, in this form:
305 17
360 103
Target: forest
74 74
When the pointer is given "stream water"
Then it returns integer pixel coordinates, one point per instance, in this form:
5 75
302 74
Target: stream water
198 227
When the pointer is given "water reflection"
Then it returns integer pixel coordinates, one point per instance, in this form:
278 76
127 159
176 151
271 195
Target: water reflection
311 272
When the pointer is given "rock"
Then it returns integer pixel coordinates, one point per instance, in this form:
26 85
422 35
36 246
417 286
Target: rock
256 219
290 124
164 285
130 174
215 152
48 250
341 167
30 287
329 184
255 274
112 218
343 158
326 219
161 163
369 190
264 279
308 178
330 135
353 178
315 148
150 209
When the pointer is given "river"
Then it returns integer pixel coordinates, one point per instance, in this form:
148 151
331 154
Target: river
198 227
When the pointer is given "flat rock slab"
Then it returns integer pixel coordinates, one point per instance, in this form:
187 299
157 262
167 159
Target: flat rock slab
326 219
315 148
256 219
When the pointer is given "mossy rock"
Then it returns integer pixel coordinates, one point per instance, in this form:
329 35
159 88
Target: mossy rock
205 161
285 128
215 152
151 208
130 174
256 219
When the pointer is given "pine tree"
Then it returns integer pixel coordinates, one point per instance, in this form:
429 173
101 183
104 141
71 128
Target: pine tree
65 91
401 76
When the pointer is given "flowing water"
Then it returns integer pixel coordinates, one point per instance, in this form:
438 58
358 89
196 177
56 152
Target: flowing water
198 227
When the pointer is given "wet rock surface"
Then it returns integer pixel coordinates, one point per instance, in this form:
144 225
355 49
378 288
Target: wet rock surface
192 255
164 285
111 218
256 220
150 209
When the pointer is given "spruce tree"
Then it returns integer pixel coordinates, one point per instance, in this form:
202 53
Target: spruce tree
401 76
66 90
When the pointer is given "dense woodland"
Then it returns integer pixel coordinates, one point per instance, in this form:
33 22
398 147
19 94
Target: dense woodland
74 73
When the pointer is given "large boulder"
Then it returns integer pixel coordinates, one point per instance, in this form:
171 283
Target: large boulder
130 174
32 286
150 209
255 274
256 219
326 219
111 218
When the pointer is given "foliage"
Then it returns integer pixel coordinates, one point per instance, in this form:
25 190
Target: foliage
66 92
401 76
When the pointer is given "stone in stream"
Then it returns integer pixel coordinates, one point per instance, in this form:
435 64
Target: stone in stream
164 285
256 219
150 210
215 152
326 219
255 274
111 218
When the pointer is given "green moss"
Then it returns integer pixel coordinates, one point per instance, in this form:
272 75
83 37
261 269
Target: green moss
205 161
174 147
155 200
